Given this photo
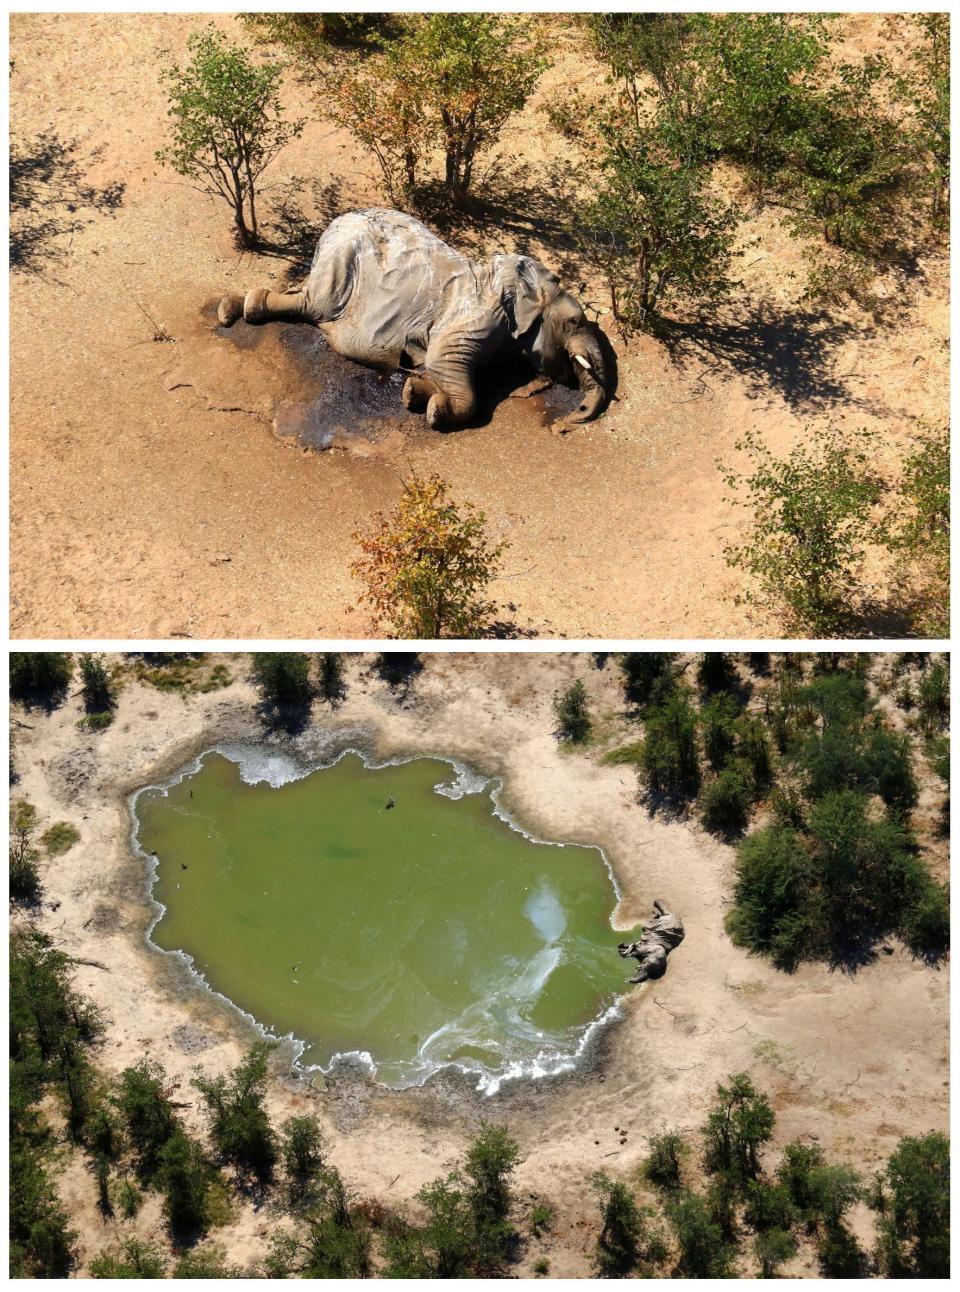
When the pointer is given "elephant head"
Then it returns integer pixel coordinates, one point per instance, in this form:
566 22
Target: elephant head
551 327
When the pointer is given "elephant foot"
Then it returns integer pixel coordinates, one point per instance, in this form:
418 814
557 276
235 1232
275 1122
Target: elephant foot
255 305
416 394
229 310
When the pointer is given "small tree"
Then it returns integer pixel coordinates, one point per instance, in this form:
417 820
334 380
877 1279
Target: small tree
670 764
331 1239
225 123
812 518
913 1199
920 530
239 1125
185 1180
204 1263
736 1128
653 229
664 1162
772 1248
303 1148
98 695
424 567
283 678
570 708
618 1243
130 1259
448 83
704 1253
39 677
330 685
141 1096
646 675
25 883
726 800
489 1166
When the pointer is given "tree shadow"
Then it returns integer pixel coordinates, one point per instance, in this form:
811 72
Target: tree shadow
290 718
294 233
49 199
788 352
399 670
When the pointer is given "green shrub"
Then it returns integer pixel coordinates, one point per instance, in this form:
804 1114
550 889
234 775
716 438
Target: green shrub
914 1204
39 677
141 1097
926 925
664 1162
812 518
654 230
42 1244
737 1127
98 697
704 1253
643 671
726 800
129 1199
239 1125
131 1258
283 678
25 884
718 723
303 1148
330 684
772 1248
619 1242
331 1239
183 1176
774 874
204 1263
225 124
541 1217
570 710
670 764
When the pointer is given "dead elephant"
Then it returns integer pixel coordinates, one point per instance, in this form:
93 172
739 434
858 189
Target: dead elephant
387 293
661 933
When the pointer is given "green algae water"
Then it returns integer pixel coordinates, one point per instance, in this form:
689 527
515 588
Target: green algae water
420 935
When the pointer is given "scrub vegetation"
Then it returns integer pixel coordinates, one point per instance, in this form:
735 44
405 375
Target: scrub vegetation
825 772
806 765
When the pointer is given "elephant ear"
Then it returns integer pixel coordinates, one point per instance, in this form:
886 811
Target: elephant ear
529 288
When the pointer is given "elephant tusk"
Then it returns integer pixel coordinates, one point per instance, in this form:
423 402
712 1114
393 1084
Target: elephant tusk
582 362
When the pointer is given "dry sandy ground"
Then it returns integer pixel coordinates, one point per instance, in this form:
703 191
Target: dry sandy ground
150 496
853 1061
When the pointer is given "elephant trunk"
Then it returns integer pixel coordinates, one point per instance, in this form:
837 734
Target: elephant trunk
593 376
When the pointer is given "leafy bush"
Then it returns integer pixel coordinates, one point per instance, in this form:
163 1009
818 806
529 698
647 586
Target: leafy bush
737 1127
225 122
425 566
283 678
653 229
42 1244
570 709
331 1239
914 1204
330 684
664 1162
718 717
132 1258
141 1097
726 800
490 1162
670 765
704 1252
39 677
98 697
303 1148
618 1244
204 1263
926 924
448 83
772 1248
24 879
183 1176
239 1125
647 675
812 518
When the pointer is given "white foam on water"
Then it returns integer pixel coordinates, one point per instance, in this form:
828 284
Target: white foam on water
500 1010
545 912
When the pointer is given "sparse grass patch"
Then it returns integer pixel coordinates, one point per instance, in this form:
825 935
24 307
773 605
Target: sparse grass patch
59 838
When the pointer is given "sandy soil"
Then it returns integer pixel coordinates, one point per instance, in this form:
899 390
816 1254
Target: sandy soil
853 1061
150 496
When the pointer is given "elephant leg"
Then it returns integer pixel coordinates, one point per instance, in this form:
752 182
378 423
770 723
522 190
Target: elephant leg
263 306
417 392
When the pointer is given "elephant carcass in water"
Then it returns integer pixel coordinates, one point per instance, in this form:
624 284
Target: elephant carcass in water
388 293
662 932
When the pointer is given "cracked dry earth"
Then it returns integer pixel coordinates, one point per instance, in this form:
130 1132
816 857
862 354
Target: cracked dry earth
151 495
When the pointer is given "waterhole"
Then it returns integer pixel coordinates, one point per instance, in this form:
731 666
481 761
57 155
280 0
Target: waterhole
386 912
